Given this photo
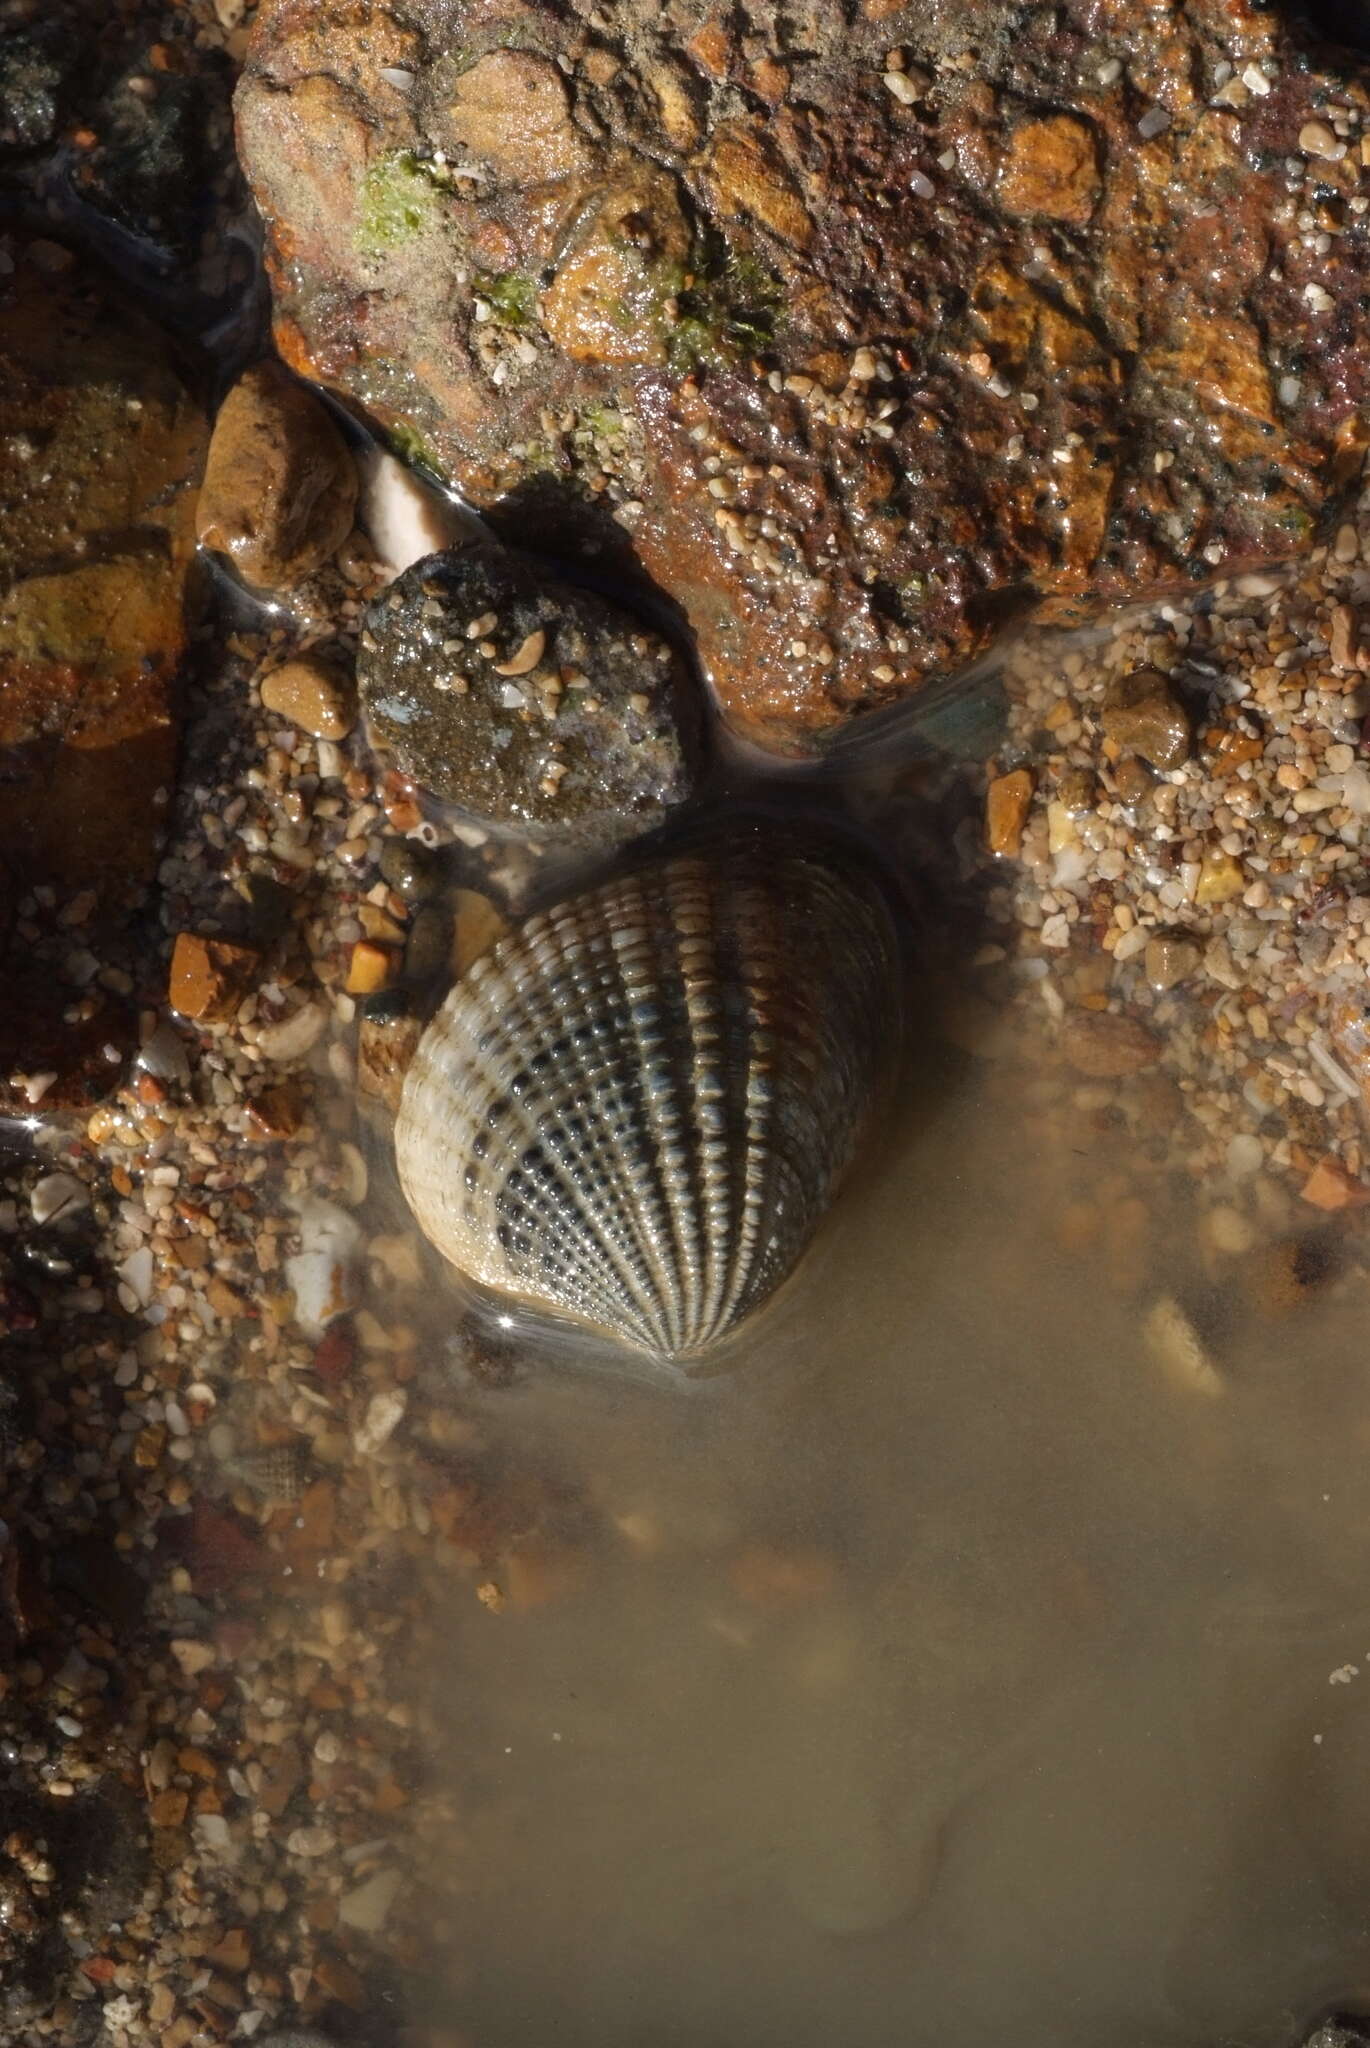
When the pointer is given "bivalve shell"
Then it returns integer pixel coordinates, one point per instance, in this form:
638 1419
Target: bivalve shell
635 1110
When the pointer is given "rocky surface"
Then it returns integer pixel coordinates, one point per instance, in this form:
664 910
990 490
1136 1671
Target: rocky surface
860 334
100 454
280 486
122 123
530 705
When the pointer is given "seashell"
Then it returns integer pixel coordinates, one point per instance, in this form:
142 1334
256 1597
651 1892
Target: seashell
277 1473
634 1112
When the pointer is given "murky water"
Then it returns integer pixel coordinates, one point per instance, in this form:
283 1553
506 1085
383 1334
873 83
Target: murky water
948 1673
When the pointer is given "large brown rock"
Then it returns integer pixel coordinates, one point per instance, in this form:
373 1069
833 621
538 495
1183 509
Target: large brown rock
868 333
100 454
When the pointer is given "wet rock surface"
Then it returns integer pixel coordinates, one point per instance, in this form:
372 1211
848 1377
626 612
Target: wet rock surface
280 486
127 134
860 336
100 454
528 704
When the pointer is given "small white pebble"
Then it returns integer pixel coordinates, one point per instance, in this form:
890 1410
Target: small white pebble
57 1195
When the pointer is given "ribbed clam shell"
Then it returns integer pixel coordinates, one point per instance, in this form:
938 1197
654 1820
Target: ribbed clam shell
634 1112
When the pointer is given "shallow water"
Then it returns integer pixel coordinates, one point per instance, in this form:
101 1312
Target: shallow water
946 1673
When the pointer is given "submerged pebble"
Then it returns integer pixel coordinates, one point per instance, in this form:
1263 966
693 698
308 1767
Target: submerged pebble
313 695
1143 714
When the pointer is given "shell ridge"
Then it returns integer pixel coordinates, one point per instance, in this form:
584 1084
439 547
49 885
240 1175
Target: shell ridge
686 937
701 973
566 1250
758 907
645 966
591 1158
479 1036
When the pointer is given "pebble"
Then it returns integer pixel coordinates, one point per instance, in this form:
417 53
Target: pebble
1229 1231
368 1907
313 696
57 1195
1142 714
1171 959
1317 139
1220 879
383 1416
1245 1155
295 1035
1007 802
1177 1348
404 517
209 977
408 867
192 1657
1104 1046
478 926
280 487
321 1274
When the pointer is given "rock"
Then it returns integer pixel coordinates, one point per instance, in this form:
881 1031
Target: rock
1133 780
1104 1046
1331 1186
100 453
280 486
37 60
150 168
1175 1346
370 968
312 695
322 1273
276 1112
292 1036
428 947
1221 877
210 977
527 703
1170 958
855 363
1007 802
409 868
478 925
1142 714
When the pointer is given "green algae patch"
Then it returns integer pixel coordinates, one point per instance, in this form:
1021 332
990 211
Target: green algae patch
397 196
511 295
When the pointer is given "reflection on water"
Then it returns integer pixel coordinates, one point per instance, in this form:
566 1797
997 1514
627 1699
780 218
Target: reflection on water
949 1674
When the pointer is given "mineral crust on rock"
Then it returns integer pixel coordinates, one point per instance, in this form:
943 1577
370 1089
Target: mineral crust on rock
861 330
